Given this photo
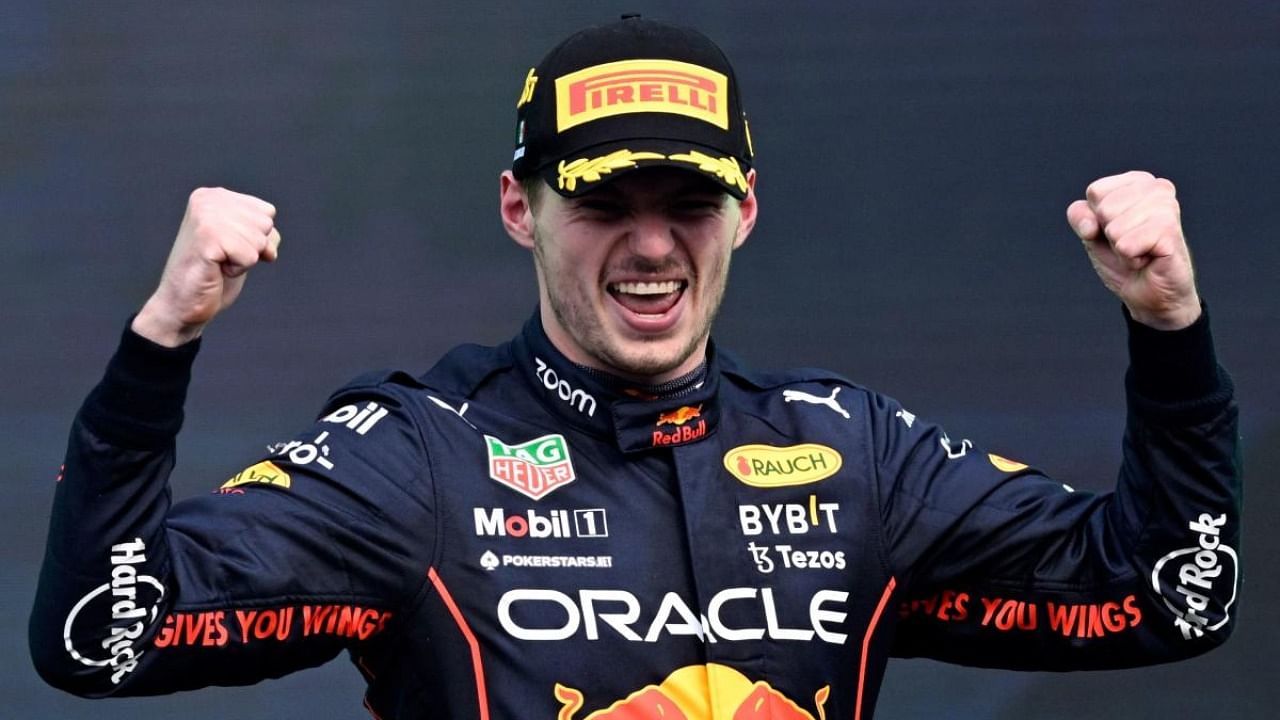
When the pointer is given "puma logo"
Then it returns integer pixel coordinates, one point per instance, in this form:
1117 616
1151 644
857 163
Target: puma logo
798 395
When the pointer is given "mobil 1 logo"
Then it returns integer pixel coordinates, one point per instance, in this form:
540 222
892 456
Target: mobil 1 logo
582 523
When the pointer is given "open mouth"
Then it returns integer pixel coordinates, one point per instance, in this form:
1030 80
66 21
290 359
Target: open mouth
648 298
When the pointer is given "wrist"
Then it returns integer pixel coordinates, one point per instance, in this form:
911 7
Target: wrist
1185 315
1173 367
138 403
154 323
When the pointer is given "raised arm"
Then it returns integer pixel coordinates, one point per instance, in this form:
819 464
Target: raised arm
282 565
1007 567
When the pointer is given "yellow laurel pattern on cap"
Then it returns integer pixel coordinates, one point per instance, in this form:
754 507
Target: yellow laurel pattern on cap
589 170
725 168
526 94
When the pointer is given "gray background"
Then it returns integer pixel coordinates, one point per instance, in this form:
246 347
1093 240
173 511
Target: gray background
915 161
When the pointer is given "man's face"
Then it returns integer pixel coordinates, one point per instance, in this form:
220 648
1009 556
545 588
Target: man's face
631 274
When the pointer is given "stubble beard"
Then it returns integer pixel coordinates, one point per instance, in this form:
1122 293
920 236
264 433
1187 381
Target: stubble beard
574 310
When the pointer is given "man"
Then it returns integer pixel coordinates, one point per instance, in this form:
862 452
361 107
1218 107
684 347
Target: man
608 516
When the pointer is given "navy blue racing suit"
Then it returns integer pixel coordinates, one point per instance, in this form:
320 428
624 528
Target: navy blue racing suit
509 536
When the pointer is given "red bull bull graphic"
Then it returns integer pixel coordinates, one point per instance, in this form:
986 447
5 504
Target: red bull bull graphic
698 692
679 416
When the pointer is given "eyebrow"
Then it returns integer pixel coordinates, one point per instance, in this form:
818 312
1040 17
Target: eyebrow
694 187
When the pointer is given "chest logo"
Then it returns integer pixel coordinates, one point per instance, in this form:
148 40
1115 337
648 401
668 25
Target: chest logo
828 401
767 466
264 473
683 428
534 468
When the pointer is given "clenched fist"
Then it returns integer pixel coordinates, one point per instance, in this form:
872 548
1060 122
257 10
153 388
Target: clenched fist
1132 229
223 234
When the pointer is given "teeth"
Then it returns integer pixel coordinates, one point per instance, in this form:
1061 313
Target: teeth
646 288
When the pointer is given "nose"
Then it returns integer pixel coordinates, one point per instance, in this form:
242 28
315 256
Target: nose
651 236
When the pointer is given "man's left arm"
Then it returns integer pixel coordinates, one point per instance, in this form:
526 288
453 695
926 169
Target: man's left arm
1146 574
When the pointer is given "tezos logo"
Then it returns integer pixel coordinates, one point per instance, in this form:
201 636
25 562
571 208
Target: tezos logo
534 468
583 401
1194 581
130 600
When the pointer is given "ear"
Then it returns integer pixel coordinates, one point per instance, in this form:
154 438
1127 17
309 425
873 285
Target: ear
748 208
517 214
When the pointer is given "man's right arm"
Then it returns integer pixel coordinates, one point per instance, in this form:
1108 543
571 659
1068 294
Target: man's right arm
295 558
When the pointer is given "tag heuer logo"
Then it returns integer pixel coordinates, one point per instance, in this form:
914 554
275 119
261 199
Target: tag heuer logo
534 468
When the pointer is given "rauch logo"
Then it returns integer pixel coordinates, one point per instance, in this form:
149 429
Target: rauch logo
766 466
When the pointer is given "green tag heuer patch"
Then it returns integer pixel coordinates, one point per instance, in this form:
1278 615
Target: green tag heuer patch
534 468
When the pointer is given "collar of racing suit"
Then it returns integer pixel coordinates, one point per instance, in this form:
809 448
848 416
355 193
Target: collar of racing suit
635 423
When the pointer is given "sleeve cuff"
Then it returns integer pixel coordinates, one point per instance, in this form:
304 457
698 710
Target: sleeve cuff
139 401
1175 369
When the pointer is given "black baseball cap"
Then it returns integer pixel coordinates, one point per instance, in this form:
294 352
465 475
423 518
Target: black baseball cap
631 94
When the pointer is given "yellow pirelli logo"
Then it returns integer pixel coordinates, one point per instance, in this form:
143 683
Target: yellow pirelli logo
632 86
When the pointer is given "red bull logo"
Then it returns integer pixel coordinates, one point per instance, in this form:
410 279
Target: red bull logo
684 430
698 692
679 416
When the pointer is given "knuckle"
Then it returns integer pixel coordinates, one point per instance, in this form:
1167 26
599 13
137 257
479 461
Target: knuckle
1093 192
1167 215
1106 212
199 197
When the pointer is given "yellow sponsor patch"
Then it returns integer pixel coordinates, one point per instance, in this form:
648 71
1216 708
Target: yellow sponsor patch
265 472
1005 464
632 86
767 466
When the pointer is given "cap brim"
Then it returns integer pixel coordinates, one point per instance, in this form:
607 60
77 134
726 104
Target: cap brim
595 166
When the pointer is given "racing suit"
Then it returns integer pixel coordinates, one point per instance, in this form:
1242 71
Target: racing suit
509 537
